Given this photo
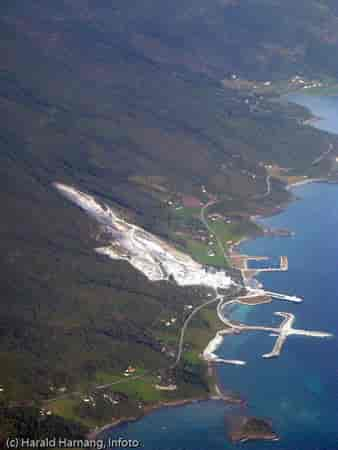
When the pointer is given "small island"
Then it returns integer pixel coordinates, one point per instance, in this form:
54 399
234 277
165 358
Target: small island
244 429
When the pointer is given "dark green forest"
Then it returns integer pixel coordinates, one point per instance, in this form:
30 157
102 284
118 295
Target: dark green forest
98 95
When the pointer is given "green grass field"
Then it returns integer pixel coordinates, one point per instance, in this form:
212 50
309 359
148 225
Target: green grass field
187 213
192 357
199 251
109 377
68 409
198 336
142 389
225 232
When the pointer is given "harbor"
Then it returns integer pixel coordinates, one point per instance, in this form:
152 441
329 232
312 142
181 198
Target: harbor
258 295
241 262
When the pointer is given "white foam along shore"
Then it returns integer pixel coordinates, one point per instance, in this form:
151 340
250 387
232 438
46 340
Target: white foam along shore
158 260
305 181
155 258
210 355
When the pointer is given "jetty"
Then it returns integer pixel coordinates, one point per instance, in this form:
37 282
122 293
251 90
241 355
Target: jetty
240 262
277 295
286 329
257 296
249 273
282 332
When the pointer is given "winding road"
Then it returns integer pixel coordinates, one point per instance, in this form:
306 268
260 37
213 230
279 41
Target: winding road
268 189
185 325
211 231
322 155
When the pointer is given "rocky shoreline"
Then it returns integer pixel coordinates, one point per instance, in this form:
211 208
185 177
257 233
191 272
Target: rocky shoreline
244 429
94 434
228 398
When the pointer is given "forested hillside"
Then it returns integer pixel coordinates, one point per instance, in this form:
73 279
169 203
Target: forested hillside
257 38
103 95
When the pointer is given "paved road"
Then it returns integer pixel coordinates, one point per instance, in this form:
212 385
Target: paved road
185 325
268 188
209 302
211 231
322 155
186 322
314 162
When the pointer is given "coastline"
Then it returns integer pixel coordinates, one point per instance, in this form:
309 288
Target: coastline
94 434
289 187
229 398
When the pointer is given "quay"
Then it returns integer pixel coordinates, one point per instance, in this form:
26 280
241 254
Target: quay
286 329
282 332
263 294
289 298
254 296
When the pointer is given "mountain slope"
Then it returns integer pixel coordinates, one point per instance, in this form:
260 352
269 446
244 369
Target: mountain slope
103 95
257 38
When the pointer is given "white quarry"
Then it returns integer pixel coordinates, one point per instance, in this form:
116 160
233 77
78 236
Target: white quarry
155 258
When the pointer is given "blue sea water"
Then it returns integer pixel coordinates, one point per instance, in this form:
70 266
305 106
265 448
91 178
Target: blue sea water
298 390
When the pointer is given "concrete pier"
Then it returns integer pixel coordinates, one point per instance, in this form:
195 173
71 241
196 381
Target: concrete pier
282 332
289 298
242 264
286 330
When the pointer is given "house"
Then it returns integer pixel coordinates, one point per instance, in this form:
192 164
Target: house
129 371
169 387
